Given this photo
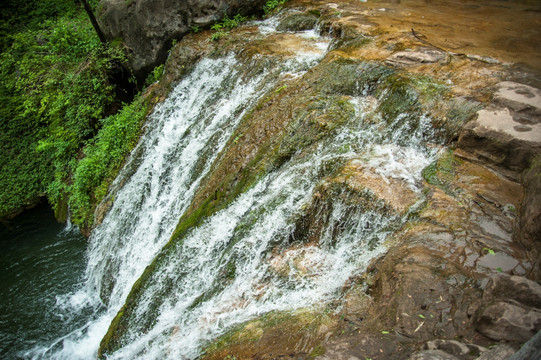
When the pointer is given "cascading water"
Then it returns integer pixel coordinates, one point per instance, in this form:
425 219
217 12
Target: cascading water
227 270
182 138
244 260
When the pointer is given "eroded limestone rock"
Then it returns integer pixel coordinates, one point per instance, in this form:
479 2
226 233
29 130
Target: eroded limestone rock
518 288
530 350
508 322
411 58
498 352
519 97
393 192
455 348
507 136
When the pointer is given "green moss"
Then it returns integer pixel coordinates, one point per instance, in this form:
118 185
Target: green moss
318 119
398 97
109 340
315 12
350 44
441 172
297 22
339 77
61 212
301 323
317 351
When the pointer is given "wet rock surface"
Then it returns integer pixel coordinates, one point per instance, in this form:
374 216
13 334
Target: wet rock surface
298 22
410 58
508 132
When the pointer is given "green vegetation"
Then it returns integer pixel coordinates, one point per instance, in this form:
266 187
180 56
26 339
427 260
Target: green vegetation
155 75
227 24
103 158
57 86
442 172
272 6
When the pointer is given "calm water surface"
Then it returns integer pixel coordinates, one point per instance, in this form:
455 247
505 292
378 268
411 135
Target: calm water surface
40 260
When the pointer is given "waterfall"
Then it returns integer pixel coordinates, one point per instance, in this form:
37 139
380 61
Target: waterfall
244 260
182 138
227 270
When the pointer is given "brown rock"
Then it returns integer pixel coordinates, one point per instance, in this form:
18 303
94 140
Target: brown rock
455 348
497 138
507 133
517 288
530 211
432 355
498 352
507 322
410 58
519 97
395 193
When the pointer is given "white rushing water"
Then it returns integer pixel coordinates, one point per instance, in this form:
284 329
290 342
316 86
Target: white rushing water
243 261
182 138
240 263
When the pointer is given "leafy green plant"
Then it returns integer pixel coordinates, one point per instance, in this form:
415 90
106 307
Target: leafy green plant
103 158
218 35
155 75
57 93
54 88
272 6
227 24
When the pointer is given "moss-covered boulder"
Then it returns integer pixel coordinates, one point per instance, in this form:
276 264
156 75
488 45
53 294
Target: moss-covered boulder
298 22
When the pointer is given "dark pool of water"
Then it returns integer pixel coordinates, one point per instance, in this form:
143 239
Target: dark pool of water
39 260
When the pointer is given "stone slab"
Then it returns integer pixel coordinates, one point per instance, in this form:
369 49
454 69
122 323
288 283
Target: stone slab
519 97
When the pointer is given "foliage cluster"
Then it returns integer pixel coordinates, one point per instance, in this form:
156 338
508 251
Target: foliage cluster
104 156
155 75
56 90
222 28
273 5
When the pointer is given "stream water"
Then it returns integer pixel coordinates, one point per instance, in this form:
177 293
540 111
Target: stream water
40 260
225 271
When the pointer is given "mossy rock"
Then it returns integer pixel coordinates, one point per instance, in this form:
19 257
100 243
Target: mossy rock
317 216
449 117
298 22
339 76
265 335
318 119
441 172
61 210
